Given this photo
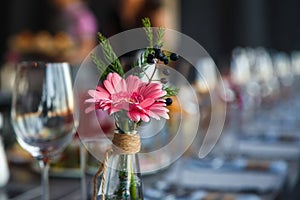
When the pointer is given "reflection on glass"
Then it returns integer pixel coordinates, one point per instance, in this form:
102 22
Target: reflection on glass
42 111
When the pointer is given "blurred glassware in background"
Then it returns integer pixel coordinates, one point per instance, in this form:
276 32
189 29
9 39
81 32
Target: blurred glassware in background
4 171
244 86
42 112
282 67
206 81
209 86
7 77
206 78
240 67
252 71
260 90
267 79
295 63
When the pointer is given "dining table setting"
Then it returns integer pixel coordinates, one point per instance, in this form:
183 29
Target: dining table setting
149 100
256 156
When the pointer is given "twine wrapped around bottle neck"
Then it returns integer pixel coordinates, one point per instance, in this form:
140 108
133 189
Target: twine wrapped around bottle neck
123 143
126 143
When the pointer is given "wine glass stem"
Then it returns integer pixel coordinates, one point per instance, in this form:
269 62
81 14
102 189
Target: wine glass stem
44 165
83 169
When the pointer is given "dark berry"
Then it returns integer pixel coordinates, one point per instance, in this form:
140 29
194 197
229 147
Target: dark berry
163 58
151 56
150 59
166 61
159 54
174 56
169 101
163 80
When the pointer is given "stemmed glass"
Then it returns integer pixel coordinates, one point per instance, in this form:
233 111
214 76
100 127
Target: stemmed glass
42 112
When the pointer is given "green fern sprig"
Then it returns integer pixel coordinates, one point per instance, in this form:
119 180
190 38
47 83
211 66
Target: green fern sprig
147 27
159 37
109 56
99 63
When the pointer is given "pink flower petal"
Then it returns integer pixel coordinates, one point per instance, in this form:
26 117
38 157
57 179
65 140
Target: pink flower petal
103 94
133 83
89 109
109 87
147 102
90 101
149 88
118 83
145 118
133 115
141 100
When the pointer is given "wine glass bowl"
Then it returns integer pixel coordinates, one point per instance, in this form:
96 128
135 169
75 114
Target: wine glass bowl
42 111
46 137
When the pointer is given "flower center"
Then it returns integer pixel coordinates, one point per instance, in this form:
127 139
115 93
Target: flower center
119 97
136 98
133 98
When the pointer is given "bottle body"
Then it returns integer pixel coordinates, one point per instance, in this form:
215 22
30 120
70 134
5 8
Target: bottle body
123 178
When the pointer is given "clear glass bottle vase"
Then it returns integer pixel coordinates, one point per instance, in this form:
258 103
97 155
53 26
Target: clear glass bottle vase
122 177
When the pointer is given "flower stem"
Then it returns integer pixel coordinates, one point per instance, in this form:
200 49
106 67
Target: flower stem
133 195
152 75
146 75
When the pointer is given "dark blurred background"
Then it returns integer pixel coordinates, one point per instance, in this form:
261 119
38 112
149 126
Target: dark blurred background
217 25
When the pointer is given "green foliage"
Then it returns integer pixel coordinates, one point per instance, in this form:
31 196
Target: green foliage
149 33
101 66
148 30
159 37
112 62
170 91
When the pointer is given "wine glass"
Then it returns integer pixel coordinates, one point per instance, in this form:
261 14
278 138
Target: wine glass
42 112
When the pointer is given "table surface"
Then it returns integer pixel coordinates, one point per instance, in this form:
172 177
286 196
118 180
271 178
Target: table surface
25 184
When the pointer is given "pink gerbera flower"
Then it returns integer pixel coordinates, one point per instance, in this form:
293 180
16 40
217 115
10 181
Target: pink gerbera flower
141 100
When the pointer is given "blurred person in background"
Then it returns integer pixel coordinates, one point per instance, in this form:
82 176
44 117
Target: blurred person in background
128 14
78 21
68 34
161 13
